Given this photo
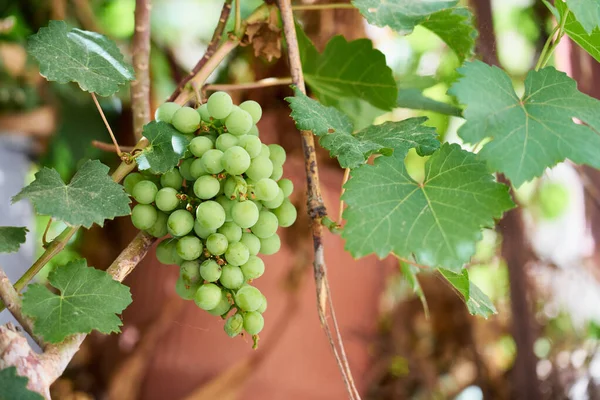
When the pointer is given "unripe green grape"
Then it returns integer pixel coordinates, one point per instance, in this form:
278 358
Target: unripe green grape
277 154
166 253
208 296
180 223
245 213
236 160
184 290
263 306
149 176
234 186
286 214
253 131
253 322
553 199
166 111
266 225
270 245
189 247
251 144
276 202
287 186
232 231
260 167
234 325
144 216
258 204
131 180
172 179
210 270
210 215
251 242
231 277
253 268
166 199
277 172
206 187
238 122
144 192
265 151
248 298
184 169
222 308
159 229
237 254
227 205
266 189
186 120
217 244
252 108
197 169
201 231
225 141
190 272
203 112
212 161
200 145
219 105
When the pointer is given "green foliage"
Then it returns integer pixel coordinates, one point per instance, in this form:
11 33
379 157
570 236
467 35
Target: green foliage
438 221
167 146
587 13
413 98
11 238
14 387
89 299
410 272
590 42
530 133
74 55
455 27
91 196
477 302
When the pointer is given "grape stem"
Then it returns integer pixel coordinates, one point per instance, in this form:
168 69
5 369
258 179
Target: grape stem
344 180
109 147
552 42
238 18
140 87
45 234
267 82
316 210
112 135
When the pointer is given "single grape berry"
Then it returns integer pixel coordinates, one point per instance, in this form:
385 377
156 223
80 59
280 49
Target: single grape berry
172 179
203 112
190 272
165 252
237 254
252 108
219 105
277 172
253 322
200 145
235 186
197 169
217 244
238 122
234 325
210 215
184 169
286 214
210 270
159 229
248 298
180 223
270 245
553 199
236 160
253 131
251 144
208 296
206 187
232 277
260 167
131 180
251 242
244 213
253 268
277 201
222 308
266 225
212 161
184 290
166 199
166 111
232 231
189 247
144 192
287 186
263 306
201 231
225 141
186 120
227 205
277 154
144 216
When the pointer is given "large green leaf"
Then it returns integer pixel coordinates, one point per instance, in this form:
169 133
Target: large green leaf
14 387
74 55
352 150
590 42
531 133
347 69
89 299
587 13
455 27
167 146
438 221
11 238
91 196
477 302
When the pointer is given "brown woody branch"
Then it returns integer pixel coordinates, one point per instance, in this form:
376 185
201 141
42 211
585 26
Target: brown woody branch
140 88
11 299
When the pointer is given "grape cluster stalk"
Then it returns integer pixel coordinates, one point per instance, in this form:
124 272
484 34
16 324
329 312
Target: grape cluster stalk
218 210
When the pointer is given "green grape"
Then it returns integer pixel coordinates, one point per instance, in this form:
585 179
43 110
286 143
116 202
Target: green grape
222 308
166 111
252 108
253 268
210 215
231 277
277 172
248 298
190 272
212 161
208 296
225 141
236 160
186 120
189 247
227 205
237 254
180 223
251 242
251 144
149 176
234 325
131 180
210 270
287 186
166 199
144 192
263 306
197 169
553 199
159 229
253 131
276 154
184 169
217 244
235 186
258 204
201 231
206 187
265 151
266 189
184 290
172 179
166 253
203 112
270 245
200 145
286 214
244 213
266 225
253 322
219 105
238 122
232 231
260 167
144 216
277 201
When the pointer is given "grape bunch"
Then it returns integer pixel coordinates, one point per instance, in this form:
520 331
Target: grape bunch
221 207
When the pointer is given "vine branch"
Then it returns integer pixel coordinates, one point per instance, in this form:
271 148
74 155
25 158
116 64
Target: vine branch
140 87
11 298
267 82
112 135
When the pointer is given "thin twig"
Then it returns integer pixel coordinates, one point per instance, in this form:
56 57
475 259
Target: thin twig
267 82
344 180
140 87
238 17
44 236
109 147
406 260
112 135
11 298
316 208
85 15
321 7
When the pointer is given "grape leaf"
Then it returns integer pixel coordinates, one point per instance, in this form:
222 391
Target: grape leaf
477 302
415 99
438 221
11 238
347 69
89 299
587 13
91 196
14 387
531 133
410 273
455 27
590 42
167 146
352 150
74 55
